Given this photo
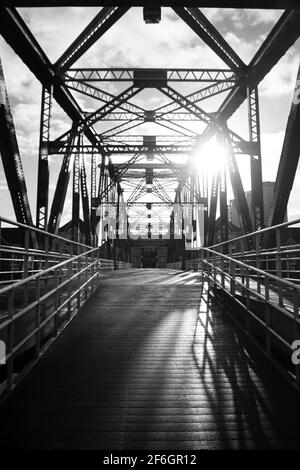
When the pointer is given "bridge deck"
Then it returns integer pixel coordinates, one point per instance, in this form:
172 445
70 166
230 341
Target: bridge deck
148 364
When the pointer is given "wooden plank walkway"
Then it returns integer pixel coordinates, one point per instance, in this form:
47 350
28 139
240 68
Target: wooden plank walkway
147 364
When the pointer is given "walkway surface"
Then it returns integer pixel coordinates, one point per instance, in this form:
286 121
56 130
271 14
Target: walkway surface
147 364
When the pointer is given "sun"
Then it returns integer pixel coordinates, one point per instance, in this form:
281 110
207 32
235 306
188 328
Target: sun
210 158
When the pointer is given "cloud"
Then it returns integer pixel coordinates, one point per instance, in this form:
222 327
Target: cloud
280 81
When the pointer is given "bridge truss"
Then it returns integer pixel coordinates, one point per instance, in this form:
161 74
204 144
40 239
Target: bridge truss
140 170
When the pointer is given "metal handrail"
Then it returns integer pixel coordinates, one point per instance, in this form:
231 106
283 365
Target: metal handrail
257 232
33 277
42 232
252 268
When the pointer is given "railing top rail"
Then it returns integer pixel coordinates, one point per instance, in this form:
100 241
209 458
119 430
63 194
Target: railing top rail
258 232
43 232
256 270
15 285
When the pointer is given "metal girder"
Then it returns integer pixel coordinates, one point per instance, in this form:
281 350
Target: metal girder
76 197
43 164
11 159
102 112
223 203
148 75
97 27
288 161
268 4
213 208
207 32
97 93
185 103
116 130
196 97
18 36
140 138
153 166
85 203
58 148
236 183
93 195
257 201
62 185
281 38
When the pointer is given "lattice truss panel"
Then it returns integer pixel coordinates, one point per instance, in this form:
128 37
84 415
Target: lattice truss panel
119 149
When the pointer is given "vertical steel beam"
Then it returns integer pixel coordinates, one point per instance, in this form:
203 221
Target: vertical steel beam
75 222
43 164
93 194
288 161
213 208
257 201
85 202
62 185
223 205
11 160
237 185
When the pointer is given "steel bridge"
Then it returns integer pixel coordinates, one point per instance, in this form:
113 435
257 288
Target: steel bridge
141 319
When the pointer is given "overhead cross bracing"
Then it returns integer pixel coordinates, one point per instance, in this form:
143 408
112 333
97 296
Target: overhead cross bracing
114 125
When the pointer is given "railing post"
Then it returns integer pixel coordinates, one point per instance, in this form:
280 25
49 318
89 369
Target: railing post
296 332
56 300
279 265
25 266
248 318
268 318
70 274
257 263
38 319
10 341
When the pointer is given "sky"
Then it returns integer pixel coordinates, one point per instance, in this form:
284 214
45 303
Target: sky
132 43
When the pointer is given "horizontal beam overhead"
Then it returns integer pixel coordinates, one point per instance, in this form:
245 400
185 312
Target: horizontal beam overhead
269 4
152 166
152 75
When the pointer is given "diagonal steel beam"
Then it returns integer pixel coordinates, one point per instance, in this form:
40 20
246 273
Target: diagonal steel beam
289 160
267 4
19 37
195 97
106 18
101 95
208 33
102 112
11 159
186 103
281 38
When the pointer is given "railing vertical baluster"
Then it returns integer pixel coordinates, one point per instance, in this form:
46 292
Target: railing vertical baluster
248 318
279 265
25 266
56 301
70 274
296 328
268 317
38 319
257 263
10 341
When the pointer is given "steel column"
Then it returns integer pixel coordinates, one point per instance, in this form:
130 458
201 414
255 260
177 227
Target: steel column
257 201
43 164
11 159
288 160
